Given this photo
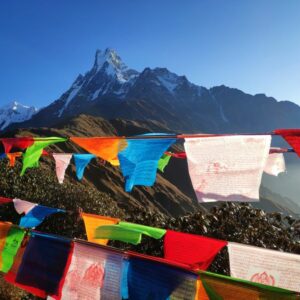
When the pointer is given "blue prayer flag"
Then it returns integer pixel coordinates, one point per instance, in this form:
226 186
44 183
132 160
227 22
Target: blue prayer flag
139 161
81 161
149 280
44 262
37 215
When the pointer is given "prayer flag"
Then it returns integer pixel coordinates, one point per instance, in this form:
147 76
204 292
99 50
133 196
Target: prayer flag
62 161
44 263
81 161
4 200
36 215
12 158
13 242
155 281
227 168
163 162
85 275
4 229
91 222
257 265
22 206
20 142
33 153
106 148
128 232
139 161
196 251
118 233
94 273
12 273
156 233
275 164
292 137
218 287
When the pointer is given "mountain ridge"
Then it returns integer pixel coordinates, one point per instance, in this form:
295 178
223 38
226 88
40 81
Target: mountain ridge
110 89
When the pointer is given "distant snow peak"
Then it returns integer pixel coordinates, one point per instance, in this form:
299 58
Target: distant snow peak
15 112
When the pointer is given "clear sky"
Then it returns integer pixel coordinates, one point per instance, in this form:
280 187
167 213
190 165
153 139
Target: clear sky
253 45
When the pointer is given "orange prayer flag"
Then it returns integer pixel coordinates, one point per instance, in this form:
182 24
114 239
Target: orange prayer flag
106 148
91 222
12 157
200 291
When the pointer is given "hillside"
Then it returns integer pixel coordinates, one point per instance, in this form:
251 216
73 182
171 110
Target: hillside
172 193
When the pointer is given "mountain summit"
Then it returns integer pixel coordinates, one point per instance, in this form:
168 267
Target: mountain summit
110 89
15 112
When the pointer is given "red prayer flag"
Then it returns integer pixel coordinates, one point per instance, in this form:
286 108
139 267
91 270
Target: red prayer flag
4 200
194 250
292 136
22 143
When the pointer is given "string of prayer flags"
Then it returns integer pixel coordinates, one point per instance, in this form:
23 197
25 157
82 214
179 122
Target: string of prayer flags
49 257
33 153
36 215
292 137
105 148
12 157
20 143
62 161
196 251
13 242
218 287
257 265
81 161
275 164
227 168
22 206
85 275
163 162
91 222
2 155
151 280
139 161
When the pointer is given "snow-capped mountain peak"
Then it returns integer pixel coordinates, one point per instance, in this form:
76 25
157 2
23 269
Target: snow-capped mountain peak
15 112
111 63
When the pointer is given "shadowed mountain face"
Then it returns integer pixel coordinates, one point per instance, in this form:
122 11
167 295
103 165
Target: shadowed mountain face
112 90
172 193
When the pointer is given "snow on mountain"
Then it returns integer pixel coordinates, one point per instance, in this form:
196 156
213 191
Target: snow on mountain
109 75
15 112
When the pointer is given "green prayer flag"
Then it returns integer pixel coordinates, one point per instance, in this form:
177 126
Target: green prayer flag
13 242
156 233
220 287
33 153
163 162
118 233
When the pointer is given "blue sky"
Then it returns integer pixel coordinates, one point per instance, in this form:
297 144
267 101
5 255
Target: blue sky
253 45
